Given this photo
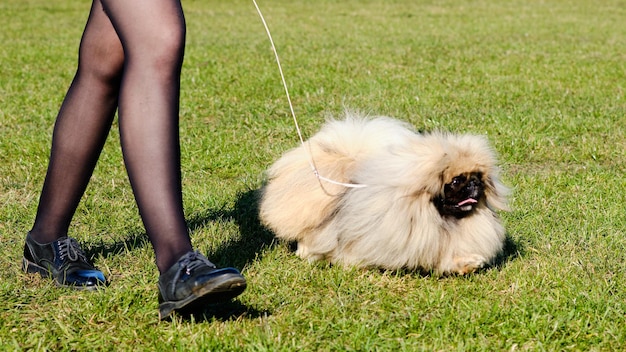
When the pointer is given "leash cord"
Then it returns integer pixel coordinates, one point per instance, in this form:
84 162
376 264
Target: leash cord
293 114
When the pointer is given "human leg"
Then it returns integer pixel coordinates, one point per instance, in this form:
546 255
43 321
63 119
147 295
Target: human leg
152 33
131 58
81 128
80 131
153 37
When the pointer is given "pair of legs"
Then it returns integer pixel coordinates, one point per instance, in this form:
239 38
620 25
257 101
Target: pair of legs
130 59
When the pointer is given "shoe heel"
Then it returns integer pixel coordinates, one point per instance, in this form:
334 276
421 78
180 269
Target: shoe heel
166 308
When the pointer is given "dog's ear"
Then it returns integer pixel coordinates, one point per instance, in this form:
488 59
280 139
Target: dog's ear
496 193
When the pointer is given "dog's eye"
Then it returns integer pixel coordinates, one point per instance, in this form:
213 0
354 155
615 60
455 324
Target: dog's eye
458 180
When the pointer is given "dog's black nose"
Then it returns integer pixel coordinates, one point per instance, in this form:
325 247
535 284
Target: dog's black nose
474 187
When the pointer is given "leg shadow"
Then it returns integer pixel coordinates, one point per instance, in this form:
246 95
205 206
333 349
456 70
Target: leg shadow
132 242
227 311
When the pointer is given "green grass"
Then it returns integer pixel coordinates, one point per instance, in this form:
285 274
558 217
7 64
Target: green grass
543 80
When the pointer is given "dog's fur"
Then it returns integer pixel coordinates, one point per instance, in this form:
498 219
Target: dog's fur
412 212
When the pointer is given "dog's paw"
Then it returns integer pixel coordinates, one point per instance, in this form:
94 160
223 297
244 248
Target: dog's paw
302 251
469 264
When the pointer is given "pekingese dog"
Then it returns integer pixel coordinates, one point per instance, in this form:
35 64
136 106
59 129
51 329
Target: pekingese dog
409 200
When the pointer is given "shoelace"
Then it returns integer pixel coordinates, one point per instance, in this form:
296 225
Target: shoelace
188 263
70 249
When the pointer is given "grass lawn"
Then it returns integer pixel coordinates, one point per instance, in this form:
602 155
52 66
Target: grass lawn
545 81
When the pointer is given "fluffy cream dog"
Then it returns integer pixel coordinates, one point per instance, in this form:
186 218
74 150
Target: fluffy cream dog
426 202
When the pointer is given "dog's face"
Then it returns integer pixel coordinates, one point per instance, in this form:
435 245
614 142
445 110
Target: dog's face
461 195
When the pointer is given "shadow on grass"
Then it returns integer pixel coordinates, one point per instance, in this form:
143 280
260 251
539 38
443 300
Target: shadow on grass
253 236
133 241
228 311
510 251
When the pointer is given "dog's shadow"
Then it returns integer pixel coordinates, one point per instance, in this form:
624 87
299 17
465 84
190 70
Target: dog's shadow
254 237
510 252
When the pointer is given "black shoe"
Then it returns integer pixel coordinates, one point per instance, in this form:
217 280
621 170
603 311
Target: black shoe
194 279
64 261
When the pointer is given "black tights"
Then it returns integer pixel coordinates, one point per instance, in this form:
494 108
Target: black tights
130 59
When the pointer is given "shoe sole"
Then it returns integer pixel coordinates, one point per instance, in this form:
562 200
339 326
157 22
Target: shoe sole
32 268
221 289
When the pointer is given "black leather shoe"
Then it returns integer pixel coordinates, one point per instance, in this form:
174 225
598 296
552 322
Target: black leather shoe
64 261
194 279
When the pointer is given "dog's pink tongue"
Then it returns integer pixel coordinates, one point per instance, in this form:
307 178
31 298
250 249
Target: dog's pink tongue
468 201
